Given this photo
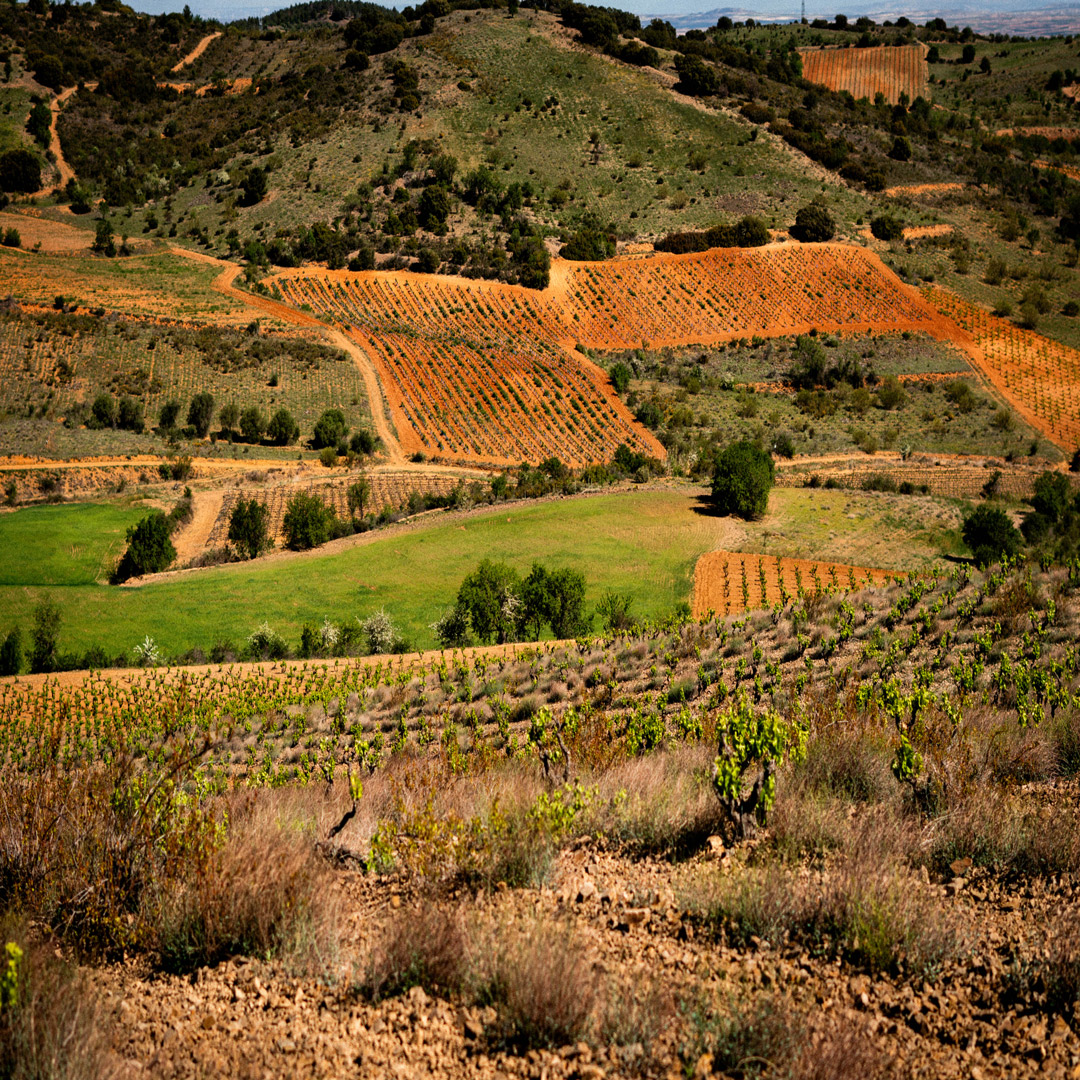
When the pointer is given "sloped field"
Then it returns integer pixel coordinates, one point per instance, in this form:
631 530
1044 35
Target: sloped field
732 581
1040 377
864 73
476 371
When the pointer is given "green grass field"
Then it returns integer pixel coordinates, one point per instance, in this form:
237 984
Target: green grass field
644 543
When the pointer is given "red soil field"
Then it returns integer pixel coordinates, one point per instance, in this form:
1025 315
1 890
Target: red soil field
732 581
1039 377
864 73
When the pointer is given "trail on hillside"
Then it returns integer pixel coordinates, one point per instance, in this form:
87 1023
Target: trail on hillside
224 284
195 53
63 168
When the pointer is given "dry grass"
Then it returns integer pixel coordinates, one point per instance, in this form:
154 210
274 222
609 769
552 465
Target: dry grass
1061 968
51 1027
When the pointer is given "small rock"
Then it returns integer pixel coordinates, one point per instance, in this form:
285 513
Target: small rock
959 867
636 916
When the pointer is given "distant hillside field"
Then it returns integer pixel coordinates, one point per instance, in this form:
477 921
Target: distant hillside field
865 73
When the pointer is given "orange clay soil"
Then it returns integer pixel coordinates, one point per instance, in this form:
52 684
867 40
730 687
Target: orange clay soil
731 581
482 371
864 73
922 232
64 170
921 189
195 53
1039 377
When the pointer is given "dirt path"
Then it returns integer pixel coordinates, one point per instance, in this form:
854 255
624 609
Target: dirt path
195 53
193 539
224 283
65 170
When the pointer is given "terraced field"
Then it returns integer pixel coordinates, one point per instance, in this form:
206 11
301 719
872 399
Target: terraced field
864 73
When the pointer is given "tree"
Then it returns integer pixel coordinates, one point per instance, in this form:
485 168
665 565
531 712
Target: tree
308 522
170 413
434 206
537 601
103 412
11 653
620 377
229 417
490 594
20 171
201 412
901 148
990 534
49 71
968 54
743 478
249 527
43 640
696 78
252 423
362 442
567 612
813 224
452 629
282 429
255 186
1053 494
891 394
592 242
357 494
103 238
329 429
130 414
150 549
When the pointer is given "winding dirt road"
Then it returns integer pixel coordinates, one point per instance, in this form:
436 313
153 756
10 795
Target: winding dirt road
65 170
195 53
224 284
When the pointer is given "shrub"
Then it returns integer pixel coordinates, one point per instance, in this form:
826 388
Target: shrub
813 224
11 653
103 412
308 522
886 227
328 457
990 534
452 629
252 423
891 394
620 377
130 415
380 632
1053 494
249 527
44 637
743 478
265 643
149 551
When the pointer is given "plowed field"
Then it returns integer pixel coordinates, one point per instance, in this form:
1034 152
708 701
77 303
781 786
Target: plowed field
1040 377
864 73
476 371
732 581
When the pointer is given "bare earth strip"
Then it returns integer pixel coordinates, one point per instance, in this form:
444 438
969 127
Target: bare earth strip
66 172
195 53
730 581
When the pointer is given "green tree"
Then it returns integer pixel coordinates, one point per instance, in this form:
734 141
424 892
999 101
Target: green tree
329 429
990 534
49 71
537 602
252 423
567 611
201 412
255 186
11 653
249 527
150 548
891 394
129 415
282 429
103 412
170 413
308 522
1053 494
742 481
887 227
20 171
620 377
45 634
490 594
229 417
103 238
357 494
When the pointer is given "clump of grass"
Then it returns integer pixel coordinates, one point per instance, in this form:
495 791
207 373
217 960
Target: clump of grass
51 1026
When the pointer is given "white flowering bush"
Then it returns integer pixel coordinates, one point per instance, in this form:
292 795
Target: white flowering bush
147 653
379 631
329 634
265 641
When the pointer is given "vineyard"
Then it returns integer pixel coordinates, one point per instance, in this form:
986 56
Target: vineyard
865 73
952 476
489 372
1039 376
727 582
389 491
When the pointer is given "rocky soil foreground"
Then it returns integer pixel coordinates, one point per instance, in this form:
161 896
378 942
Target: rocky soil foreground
247 1019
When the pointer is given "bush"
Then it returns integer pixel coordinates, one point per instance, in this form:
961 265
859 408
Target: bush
743 478
130 415
380 633
11 653
328 456
252 424
329 429
248 527
20 171
46 631
150 550
891 394
990 534
1053 494
620 377
813 224
886 227
308 522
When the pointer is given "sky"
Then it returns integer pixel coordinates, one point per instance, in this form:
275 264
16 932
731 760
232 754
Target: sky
953 10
